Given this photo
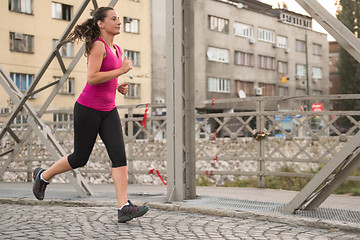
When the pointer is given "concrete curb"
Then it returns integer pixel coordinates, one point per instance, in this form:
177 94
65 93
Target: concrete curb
176 207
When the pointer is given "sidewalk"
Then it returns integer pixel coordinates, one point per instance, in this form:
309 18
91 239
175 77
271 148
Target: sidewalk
338 211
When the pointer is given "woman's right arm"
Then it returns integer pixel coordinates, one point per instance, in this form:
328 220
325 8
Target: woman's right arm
96 56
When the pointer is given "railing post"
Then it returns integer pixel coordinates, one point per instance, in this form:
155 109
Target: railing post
29 159
260 126
130 163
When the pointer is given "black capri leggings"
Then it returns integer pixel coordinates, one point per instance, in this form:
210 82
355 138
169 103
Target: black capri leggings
87 124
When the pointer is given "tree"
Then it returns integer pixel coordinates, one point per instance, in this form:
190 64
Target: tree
348 68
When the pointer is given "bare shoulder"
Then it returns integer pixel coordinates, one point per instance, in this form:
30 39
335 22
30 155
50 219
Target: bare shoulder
98 48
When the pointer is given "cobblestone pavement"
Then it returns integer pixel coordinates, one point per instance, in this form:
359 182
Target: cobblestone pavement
60 222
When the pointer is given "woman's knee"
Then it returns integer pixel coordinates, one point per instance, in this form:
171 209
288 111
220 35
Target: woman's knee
77 162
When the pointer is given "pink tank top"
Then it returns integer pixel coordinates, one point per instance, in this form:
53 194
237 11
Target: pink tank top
102 96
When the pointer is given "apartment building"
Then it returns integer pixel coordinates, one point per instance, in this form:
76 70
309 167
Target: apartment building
246 47
334 48
29 32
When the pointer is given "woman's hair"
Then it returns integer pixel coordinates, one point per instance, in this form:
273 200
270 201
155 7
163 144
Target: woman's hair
89 31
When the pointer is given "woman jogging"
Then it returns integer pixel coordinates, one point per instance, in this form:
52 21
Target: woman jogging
95 111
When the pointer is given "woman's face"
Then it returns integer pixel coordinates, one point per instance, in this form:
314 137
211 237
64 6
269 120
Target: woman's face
111 23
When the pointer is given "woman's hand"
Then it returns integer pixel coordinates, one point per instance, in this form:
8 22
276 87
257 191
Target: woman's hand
126 65
123 88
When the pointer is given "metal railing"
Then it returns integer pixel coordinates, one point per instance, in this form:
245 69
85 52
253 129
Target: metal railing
226 146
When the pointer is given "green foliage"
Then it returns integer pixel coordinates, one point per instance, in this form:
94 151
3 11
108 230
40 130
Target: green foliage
285 183
248 182
348 67
203 181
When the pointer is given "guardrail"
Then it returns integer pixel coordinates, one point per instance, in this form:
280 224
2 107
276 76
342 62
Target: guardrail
256 139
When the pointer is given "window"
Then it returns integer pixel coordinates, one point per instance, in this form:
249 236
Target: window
266 35
21 120
300 46
134 91
300 70
243 30
21 43
131 25
65 50
218 85
268 89
267 62
247 87
134 56
218 24
22 80
61 11
282 67
244 59
281 42
23 6
317 49
68 87
65 118
283 91
302 22
316 73
218 55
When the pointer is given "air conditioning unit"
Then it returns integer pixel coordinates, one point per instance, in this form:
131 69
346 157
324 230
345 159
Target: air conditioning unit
287 50
258 91
159 100
251 40
315 80
19 36
274 45
127 19
298 77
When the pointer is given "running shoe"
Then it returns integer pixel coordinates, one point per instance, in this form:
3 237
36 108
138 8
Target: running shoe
39 185
131 211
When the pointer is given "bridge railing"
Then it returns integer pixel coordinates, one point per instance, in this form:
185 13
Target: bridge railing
255 139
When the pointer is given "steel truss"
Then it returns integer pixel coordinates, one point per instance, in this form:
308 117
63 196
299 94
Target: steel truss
35 122
180 108
338 169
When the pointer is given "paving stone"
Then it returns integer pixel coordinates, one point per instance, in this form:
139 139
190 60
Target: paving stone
60 222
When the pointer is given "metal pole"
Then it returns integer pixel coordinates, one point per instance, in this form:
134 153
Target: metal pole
307 70
180 113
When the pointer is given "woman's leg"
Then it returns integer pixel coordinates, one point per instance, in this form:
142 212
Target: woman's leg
112 136
60 166
119 176
86 125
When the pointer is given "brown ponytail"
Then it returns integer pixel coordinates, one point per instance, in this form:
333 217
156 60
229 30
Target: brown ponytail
89 31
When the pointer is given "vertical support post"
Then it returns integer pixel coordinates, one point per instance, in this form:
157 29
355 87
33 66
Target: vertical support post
260 126
180 101
307 71
130 132
29 159
189 82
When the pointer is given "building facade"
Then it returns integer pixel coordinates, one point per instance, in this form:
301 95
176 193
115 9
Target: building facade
245 47
30 31
333 59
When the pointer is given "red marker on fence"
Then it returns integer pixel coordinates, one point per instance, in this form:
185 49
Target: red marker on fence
212 102
158 173
145 114
161 177
206 172
215 134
